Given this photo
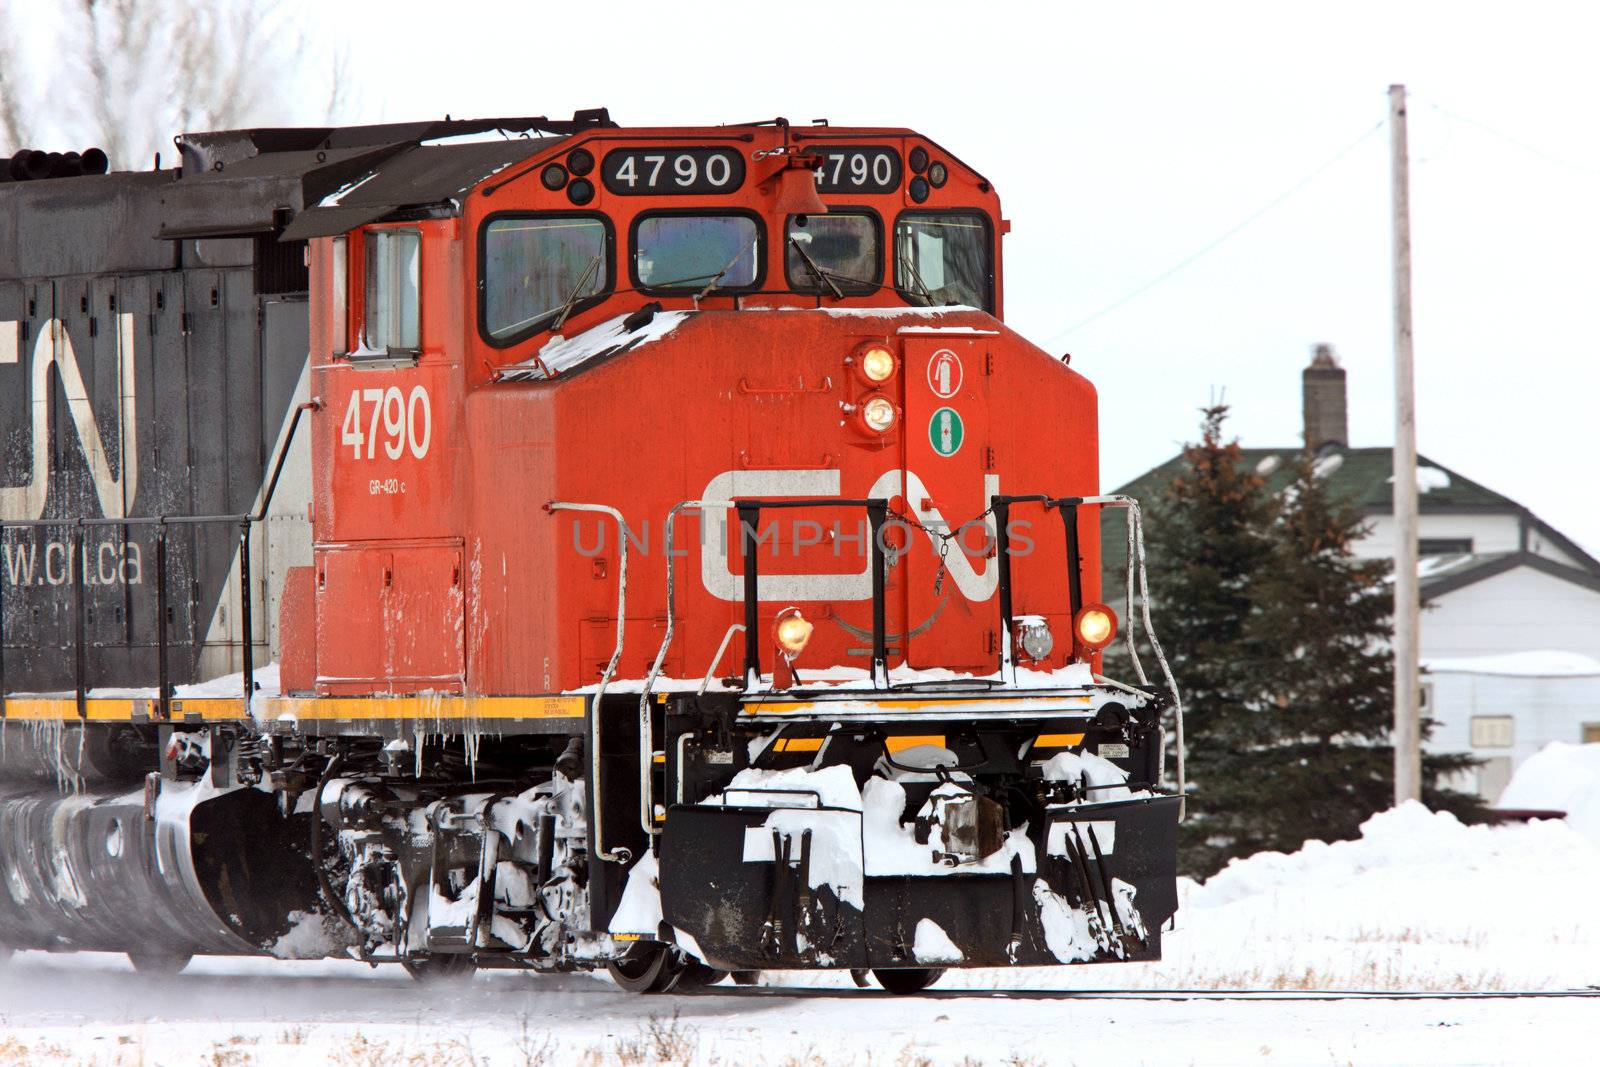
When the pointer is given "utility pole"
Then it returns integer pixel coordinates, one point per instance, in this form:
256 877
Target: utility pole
1407 606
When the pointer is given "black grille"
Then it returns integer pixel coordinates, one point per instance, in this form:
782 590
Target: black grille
281 265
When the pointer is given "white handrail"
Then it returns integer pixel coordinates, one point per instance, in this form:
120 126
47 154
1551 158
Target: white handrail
621 855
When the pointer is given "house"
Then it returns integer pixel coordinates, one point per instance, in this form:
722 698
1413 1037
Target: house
1510 629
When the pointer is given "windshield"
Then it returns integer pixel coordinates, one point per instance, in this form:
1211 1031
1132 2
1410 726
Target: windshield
845 246
690 251
944 259
532 268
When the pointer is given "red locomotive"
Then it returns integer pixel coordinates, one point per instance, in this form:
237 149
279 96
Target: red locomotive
701 576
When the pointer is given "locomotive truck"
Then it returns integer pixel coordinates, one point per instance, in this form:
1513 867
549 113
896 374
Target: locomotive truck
557 545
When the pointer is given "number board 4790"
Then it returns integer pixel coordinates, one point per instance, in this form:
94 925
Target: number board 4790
857 168
672 171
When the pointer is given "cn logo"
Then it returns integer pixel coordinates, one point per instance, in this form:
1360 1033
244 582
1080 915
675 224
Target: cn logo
716 571
944 374
115 477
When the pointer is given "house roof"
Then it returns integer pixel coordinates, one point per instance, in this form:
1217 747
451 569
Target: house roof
1360 475
1363 476
1441 575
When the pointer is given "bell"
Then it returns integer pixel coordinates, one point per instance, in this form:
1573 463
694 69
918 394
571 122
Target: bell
797 192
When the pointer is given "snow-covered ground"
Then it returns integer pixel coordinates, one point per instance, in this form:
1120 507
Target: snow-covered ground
1419 902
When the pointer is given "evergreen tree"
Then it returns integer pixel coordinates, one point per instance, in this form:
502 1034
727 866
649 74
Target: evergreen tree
1322 679
1278 637
1206 539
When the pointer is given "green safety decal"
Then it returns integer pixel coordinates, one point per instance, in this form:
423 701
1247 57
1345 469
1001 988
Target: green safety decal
945 431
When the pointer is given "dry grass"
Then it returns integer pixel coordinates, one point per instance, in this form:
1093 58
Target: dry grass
660 1041
361 1051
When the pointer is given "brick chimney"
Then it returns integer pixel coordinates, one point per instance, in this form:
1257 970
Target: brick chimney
1322 399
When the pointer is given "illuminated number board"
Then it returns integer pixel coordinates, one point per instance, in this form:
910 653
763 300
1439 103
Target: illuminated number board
672 171
857 169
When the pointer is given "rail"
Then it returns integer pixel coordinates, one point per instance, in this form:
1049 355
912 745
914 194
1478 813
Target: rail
162 524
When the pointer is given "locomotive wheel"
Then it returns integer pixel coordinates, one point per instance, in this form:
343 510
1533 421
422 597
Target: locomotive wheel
746 977
648 967
904 981
159 963
440 968
697 975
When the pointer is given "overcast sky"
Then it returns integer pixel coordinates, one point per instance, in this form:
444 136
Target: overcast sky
1123 139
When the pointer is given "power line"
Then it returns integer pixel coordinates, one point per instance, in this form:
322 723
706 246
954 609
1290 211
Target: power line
1506 137
1181 264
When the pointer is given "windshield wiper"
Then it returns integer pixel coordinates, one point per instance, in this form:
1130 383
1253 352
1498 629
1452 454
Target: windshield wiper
921 290
572 298
716 279
822 276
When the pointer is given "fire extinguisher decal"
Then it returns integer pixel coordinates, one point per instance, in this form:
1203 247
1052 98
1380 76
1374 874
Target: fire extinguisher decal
944 374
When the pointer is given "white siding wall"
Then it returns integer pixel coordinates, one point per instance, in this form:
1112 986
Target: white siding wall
1543 710
1522 610
1489 533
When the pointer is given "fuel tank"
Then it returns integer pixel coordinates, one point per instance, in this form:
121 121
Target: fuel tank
183 869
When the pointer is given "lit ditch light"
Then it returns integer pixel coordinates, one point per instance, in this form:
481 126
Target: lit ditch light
876 363
878 414
1094 626
791 632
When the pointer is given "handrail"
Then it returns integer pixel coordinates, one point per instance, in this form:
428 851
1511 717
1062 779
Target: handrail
621 855
705 683
314 404
1135 526
646 723
161 523
749 522
1136 563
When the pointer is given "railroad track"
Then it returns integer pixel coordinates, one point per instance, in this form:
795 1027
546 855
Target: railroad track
1291 995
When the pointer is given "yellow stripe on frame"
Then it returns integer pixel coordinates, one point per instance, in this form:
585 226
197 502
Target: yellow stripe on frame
900 744
1057 740
122 709
321 709
785 707
297 709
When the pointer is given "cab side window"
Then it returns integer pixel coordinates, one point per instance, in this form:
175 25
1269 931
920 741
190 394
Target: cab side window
392 294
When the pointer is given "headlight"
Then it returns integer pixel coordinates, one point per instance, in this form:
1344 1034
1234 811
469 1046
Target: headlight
878 414
1095 626
877 364
792 631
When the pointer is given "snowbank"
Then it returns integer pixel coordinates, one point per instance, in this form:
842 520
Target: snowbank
1419 901
1560 777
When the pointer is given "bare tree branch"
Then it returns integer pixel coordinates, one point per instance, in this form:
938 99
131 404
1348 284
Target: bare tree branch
145 70
14 133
